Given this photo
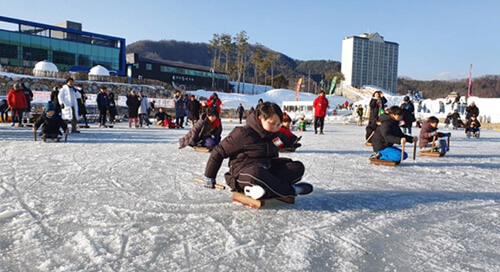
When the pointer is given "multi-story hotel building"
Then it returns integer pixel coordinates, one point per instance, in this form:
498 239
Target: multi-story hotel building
369 60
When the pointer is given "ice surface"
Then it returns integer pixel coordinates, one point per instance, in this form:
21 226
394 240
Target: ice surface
124 200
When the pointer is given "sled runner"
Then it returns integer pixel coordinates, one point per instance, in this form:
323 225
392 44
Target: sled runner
258 203
384 162
248 201
217 186
83 126
202 149
287 149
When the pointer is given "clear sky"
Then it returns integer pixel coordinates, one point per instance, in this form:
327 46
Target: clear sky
437 39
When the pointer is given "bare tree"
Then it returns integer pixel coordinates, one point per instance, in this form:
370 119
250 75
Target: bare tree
241 41
215 48
227 48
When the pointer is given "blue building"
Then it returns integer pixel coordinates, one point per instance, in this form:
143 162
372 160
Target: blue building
24 43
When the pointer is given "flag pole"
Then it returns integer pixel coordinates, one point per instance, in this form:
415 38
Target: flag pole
469 89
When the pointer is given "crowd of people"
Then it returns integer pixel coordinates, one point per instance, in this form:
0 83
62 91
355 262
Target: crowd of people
255 167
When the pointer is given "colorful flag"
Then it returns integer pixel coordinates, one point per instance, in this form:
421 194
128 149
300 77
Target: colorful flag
297 89
332 86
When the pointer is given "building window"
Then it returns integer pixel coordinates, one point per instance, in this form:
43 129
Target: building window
63 58
8 51
35 54
149 66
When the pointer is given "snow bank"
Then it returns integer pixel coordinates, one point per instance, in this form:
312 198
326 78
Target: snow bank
232 100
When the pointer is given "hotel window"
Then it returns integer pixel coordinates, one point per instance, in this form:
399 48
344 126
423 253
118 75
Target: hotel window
149 66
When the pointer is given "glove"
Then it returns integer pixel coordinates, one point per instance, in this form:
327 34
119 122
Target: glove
209 183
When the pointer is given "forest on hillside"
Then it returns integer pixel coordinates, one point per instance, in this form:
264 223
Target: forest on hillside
259 64
486 86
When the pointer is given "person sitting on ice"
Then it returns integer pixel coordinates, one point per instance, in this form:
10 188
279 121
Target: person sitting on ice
254 165
205 133
286 136
472 126
161 117
52 123
456 121
427 133
389 133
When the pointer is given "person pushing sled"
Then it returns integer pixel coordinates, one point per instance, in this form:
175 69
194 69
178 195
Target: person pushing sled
388 134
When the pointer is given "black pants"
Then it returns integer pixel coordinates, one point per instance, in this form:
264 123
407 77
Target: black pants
319 122
4 115
102 116
73 120
19 113
276 181
179 121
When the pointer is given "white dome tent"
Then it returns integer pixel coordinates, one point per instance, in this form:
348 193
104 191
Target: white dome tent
99 73
45 69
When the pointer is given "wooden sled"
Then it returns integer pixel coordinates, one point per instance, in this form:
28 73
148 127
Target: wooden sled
368 144
258 203
433 153
83 126
202 149
384 162
287 149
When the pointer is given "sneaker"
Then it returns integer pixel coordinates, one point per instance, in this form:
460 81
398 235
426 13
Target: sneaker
375 156
302 188
254 192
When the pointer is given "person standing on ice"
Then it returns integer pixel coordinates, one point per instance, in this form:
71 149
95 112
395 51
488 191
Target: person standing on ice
103 105
471 110
67 98
179 109
408 114
16 100
240 110
388 134
133 104
194 108
377 106
143 110
254 165
214 101
320 105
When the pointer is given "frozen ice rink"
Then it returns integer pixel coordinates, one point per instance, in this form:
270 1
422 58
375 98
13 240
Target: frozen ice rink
124 200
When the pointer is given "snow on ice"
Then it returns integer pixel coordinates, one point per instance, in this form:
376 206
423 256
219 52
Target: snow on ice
124 200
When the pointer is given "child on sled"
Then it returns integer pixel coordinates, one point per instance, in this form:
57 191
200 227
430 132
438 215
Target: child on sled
254 165
302 123
427 133
52 123
286 136
472 127
205 133
389 133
